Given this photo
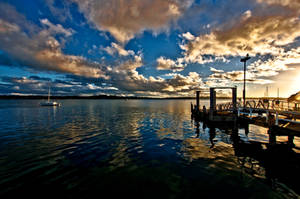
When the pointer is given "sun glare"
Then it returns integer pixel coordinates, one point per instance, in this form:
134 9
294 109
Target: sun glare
296 83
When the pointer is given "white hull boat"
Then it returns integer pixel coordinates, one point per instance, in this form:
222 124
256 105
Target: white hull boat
49 103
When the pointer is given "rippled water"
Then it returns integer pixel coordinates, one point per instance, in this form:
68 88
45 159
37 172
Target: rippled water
133 148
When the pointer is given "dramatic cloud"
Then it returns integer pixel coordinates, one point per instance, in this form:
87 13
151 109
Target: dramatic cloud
260 72
235 77
168 64
255 36
273 66
42 50
39 86
56 29
117 49
216 70
266 30
6 27
291 4
39 48
126 18
85 44
188 36
126 78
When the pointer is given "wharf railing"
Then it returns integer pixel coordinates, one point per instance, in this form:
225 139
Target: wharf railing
283 110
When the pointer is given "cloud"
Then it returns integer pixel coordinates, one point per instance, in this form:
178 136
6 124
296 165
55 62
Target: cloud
13 20
235 77
6 27
61 12
268 33
126 18
273 66
254 36
188 36
56 29
39 86
117 49
258 72
41 49
216 70
293 5
168 64
127 79
257 32
38 48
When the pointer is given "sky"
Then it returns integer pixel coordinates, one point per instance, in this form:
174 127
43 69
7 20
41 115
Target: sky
148 48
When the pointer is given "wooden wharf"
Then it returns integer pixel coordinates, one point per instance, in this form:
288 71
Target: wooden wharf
260 158
279 116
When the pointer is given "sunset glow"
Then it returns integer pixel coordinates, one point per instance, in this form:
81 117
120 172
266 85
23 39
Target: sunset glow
152 48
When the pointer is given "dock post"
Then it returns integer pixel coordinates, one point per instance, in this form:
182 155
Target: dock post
198 99
247 129
267 116
291 140
250 113
212 101
272 138
276 122
234 99
239 112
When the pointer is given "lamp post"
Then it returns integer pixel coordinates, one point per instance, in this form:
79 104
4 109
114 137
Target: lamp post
244 90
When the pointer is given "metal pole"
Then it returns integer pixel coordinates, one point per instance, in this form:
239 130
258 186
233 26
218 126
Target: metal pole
244 90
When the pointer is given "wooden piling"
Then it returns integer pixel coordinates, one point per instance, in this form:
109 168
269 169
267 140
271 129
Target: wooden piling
234 92
291 140
198 99
212 98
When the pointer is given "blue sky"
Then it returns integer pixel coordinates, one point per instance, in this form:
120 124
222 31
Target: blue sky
156 48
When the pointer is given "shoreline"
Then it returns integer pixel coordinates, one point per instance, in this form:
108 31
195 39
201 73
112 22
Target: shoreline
119 97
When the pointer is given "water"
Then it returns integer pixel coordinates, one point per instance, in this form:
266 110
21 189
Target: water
133 148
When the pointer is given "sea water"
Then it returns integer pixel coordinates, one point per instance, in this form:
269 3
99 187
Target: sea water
134 148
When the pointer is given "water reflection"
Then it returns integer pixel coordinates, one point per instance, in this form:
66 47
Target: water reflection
93 146
257 154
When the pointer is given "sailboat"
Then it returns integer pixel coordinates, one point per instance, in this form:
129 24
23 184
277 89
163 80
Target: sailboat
48 102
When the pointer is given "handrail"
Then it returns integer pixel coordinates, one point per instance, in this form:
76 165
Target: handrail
274 105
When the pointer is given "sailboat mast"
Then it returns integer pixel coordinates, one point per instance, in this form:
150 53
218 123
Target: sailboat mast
49 95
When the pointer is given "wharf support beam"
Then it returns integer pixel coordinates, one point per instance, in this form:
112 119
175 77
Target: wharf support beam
213 99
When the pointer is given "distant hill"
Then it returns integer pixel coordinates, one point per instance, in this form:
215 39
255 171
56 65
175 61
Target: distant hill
93 97
82 97
113 97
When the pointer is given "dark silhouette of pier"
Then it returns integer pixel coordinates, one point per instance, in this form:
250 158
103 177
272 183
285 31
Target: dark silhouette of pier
274 162
282 118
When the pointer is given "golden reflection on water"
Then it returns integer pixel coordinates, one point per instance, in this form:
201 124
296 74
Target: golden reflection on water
194 148
258 133
220 154
118 134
